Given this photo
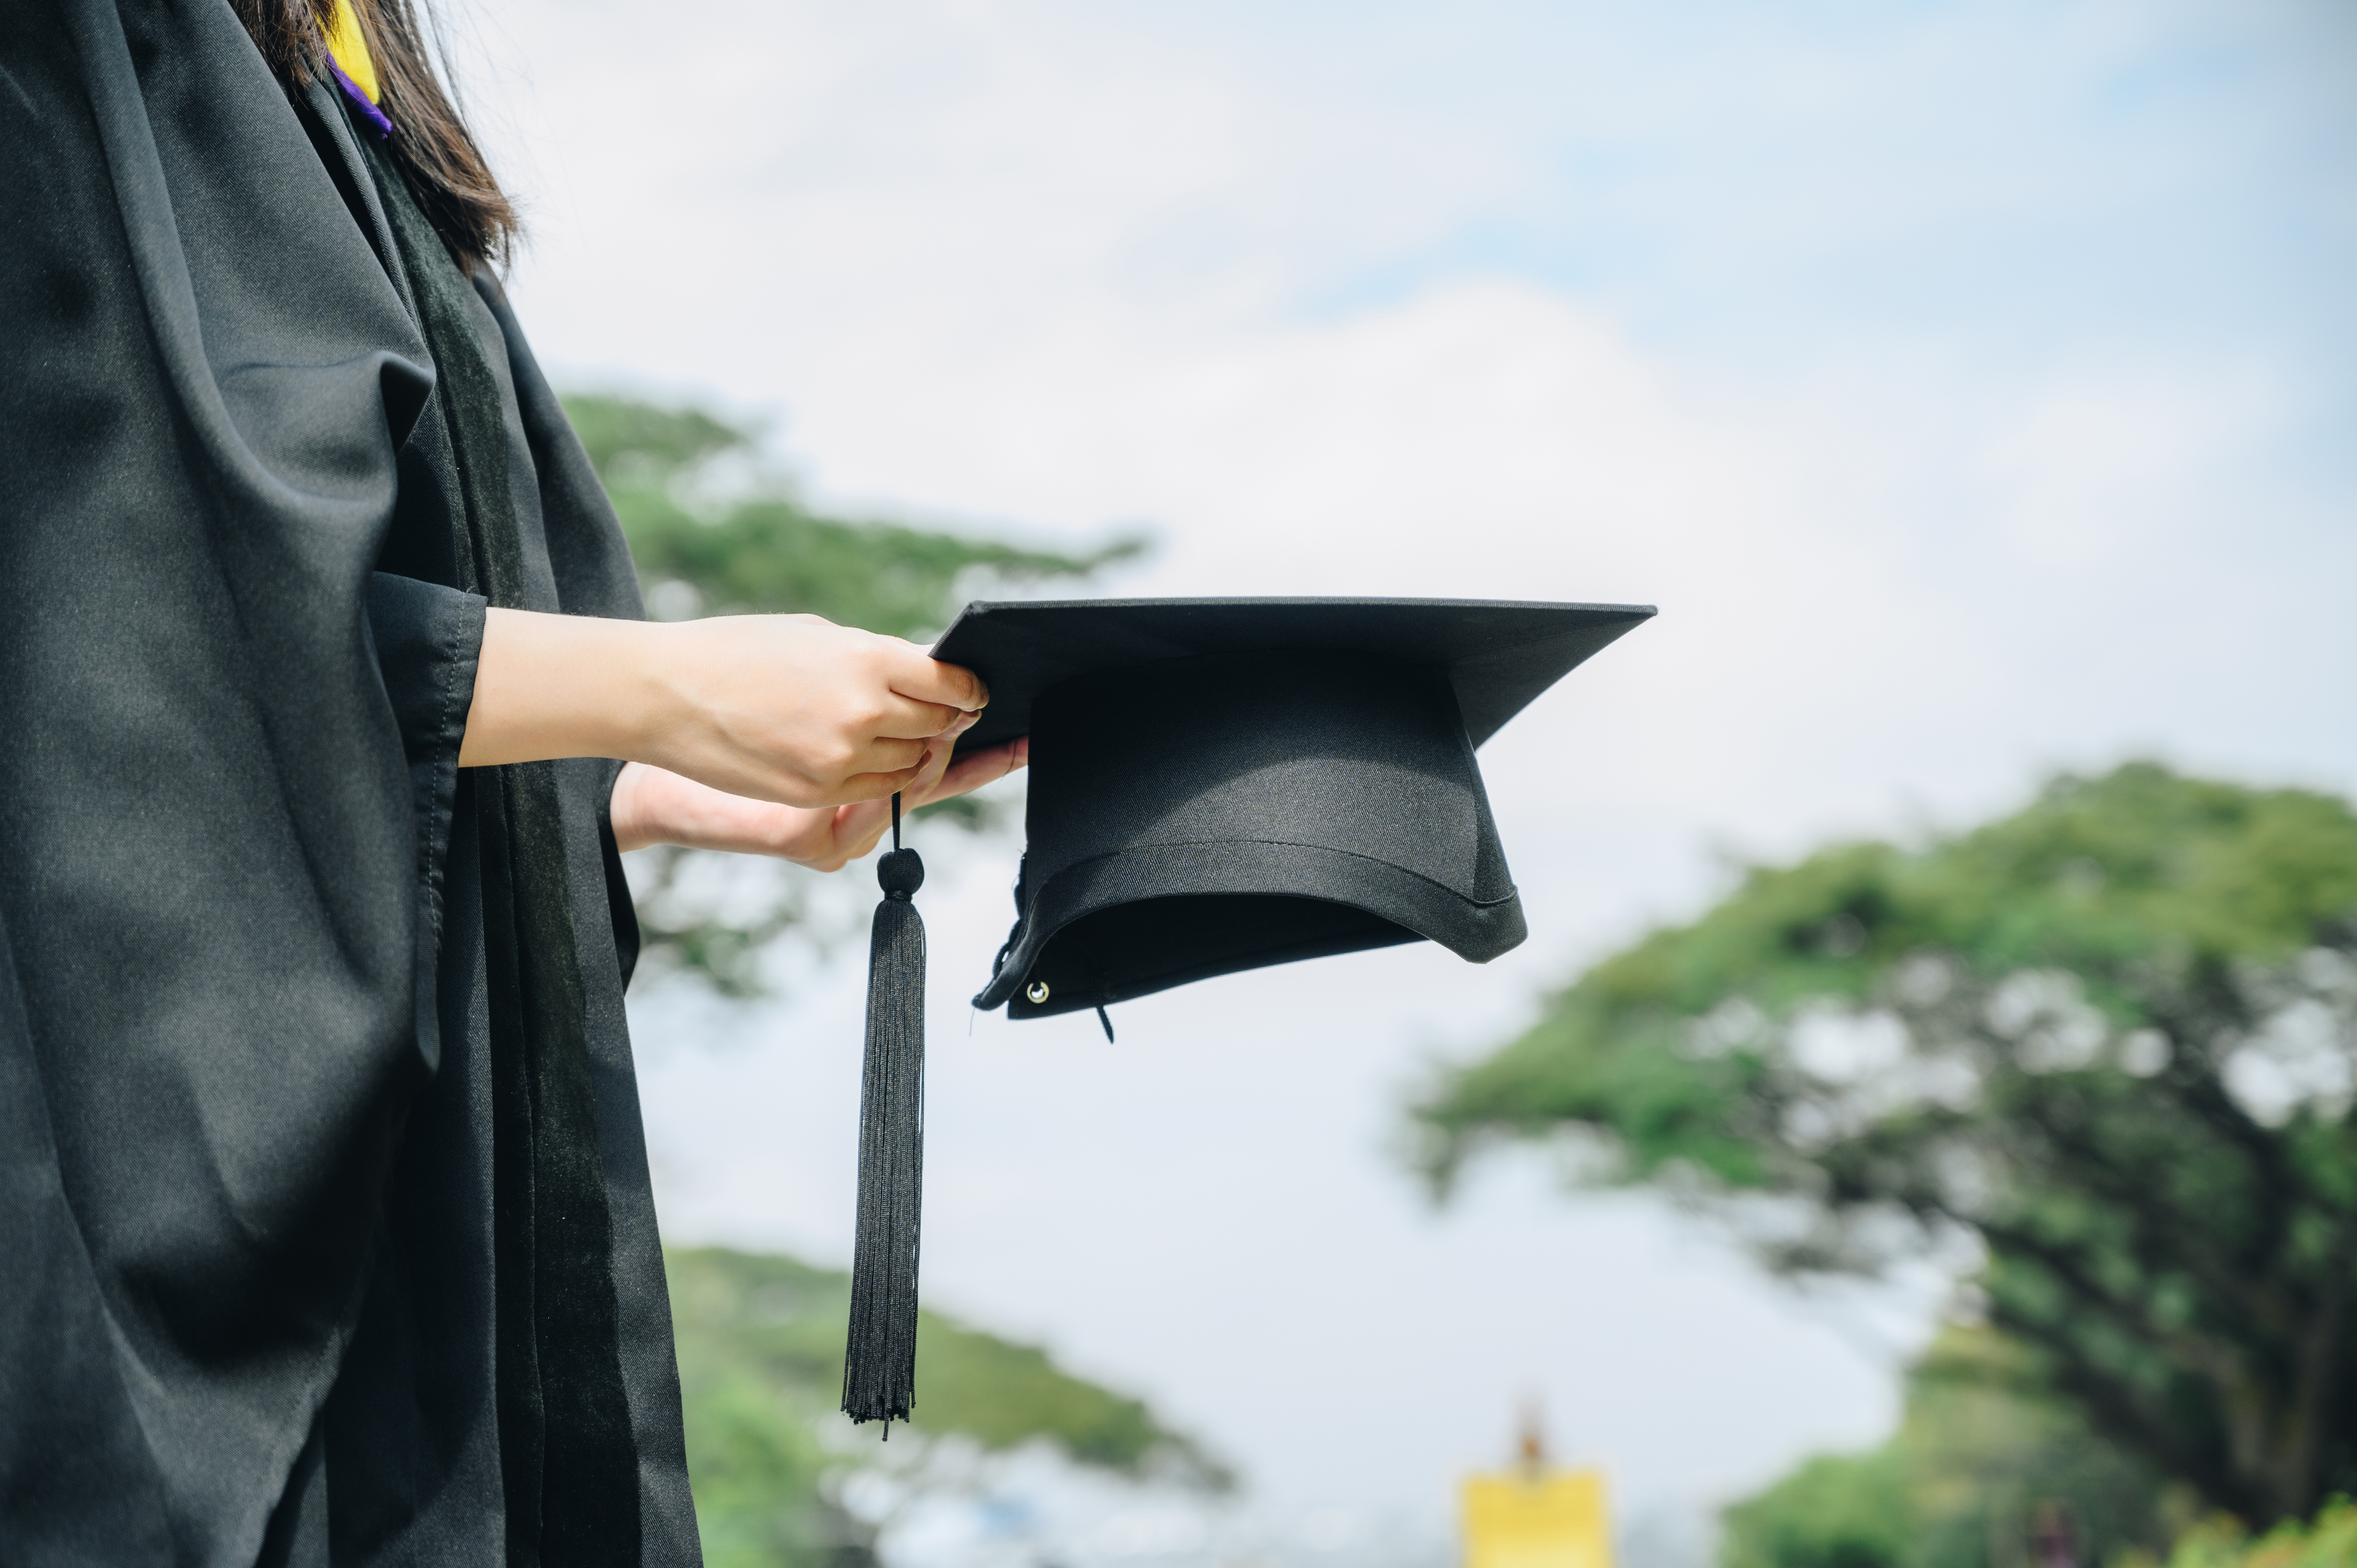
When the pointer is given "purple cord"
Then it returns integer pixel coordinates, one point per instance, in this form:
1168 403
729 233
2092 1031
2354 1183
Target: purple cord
369 111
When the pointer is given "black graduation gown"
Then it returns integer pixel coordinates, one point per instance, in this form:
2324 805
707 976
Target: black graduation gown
326 1221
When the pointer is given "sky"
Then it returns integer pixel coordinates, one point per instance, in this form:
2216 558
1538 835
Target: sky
1971 384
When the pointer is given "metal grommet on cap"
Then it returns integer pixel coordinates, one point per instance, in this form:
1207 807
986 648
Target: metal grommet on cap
1036 990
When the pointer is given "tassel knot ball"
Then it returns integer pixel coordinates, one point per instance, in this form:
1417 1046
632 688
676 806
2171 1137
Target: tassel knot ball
900 872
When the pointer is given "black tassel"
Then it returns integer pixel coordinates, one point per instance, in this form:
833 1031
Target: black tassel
879 1363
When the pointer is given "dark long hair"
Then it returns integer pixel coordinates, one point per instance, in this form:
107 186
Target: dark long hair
430 144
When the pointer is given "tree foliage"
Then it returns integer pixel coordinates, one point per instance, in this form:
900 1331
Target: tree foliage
1979 1468
742 541
760 1362
2328 1540
2111 1040
715 533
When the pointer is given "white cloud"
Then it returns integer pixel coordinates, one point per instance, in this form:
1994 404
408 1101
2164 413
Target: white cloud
2104 462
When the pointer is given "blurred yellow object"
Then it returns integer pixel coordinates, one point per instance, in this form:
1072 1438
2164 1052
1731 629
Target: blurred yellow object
348 45
1537 1519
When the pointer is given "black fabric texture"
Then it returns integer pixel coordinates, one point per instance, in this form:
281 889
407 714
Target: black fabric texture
567 1453
1282 805
332 1235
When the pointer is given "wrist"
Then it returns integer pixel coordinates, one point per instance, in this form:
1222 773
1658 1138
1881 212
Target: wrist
643 701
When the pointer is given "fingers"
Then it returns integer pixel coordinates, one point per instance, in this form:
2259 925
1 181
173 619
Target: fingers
938 761
862 787
884 756
905 718
914 673
915 780
921 784
859 826
853 831
974 769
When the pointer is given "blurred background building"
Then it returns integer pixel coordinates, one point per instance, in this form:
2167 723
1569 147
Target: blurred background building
1533 1514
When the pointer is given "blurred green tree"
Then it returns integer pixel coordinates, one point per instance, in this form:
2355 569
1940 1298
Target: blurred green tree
2328 1540
714 532
1836 1510
2110 1042
1982 1458
760 1362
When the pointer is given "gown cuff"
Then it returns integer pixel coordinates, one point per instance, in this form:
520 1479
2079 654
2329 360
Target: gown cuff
427 640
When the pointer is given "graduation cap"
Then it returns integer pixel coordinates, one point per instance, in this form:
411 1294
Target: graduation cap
1217 785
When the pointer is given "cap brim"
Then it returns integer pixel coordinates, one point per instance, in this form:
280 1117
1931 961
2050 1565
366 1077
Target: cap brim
1499 654
1209 889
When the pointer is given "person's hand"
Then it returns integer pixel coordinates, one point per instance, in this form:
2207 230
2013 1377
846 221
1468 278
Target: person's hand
786 709
653 805
799 710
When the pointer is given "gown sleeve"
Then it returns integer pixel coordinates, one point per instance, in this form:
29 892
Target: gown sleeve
428 639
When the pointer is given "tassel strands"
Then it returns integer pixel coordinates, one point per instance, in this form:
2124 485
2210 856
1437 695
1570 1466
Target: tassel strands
879 1363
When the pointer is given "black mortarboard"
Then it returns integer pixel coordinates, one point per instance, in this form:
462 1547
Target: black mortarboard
1222 784
1217 785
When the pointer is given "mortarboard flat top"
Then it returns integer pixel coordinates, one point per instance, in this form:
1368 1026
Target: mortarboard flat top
1499 654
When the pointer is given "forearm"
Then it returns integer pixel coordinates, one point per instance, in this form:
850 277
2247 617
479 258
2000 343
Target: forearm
788 709
555 686
653 805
